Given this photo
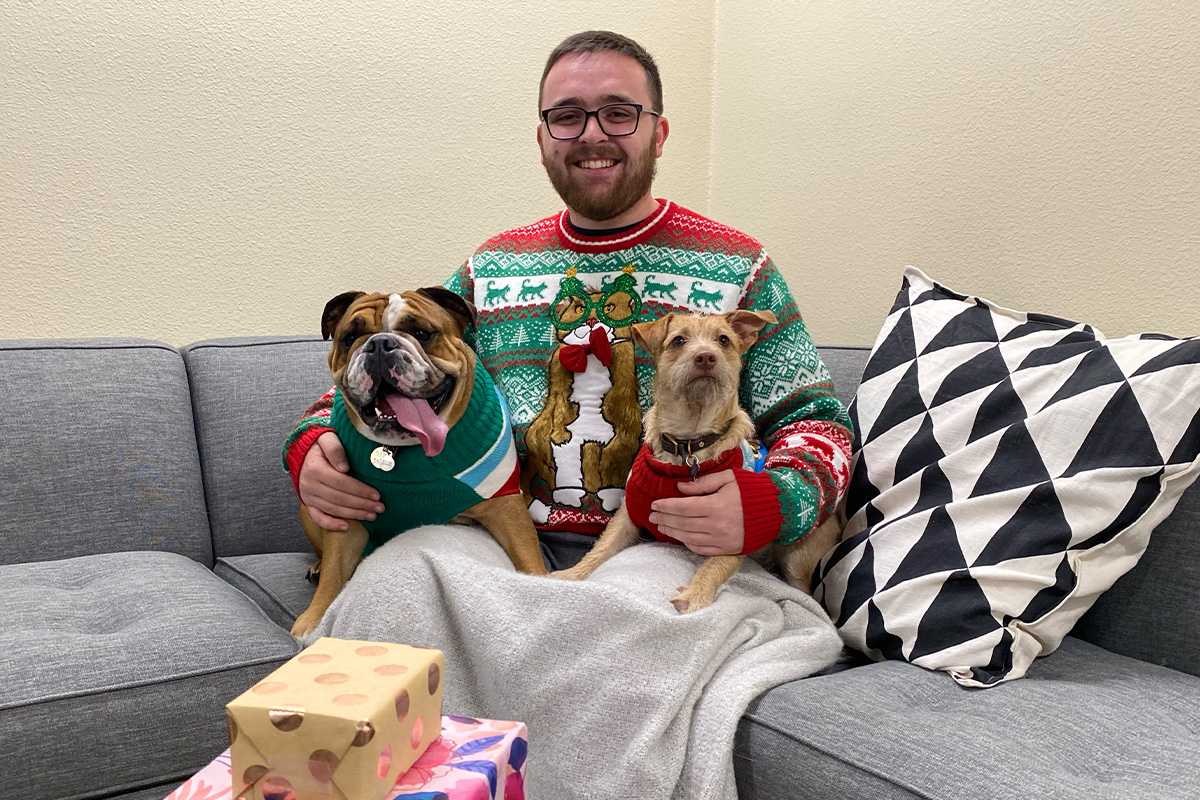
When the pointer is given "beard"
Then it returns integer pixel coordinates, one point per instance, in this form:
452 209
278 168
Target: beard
637 175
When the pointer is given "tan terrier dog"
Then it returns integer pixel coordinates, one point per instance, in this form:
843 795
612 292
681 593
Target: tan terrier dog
696 426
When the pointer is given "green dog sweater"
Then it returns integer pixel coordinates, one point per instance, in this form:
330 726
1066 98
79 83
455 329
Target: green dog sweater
478 461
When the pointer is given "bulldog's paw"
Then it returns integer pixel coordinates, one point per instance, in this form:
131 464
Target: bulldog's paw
305 624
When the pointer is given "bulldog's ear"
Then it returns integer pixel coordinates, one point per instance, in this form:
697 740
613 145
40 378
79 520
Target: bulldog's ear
334 310
746 324
462 309
651 335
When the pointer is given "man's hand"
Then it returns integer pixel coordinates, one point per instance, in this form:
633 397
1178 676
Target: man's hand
331 495
709 519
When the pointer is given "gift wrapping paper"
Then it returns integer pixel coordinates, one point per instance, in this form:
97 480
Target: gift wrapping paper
473 759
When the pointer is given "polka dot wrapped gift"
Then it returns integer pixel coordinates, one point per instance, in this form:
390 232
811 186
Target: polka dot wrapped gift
341 720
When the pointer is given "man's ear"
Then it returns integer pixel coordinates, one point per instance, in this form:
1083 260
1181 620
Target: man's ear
651 335
662 130
747 324
335 309
462 310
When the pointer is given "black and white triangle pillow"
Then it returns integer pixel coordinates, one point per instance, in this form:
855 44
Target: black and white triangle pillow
1009 468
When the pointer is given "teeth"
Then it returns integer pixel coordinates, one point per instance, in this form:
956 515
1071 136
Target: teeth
597 163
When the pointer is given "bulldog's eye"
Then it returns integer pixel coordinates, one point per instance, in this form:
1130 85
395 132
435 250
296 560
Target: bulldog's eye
723 340
678 341
348 340
423 336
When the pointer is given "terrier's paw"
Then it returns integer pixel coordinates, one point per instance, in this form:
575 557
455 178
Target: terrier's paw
572 574
691 599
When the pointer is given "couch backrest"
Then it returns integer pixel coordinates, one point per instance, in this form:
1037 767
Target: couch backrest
98 451
247 395
1152 613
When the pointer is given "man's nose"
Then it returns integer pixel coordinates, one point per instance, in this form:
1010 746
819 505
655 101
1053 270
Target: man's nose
592 132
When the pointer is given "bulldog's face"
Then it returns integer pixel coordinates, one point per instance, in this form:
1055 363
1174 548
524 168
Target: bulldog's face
400 362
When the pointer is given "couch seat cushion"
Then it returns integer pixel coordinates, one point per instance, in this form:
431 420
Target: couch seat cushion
1085 723
117 668
273 580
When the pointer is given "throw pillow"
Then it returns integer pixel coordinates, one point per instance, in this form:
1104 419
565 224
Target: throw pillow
1009 468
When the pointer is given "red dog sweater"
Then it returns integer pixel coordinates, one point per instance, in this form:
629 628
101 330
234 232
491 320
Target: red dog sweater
651 479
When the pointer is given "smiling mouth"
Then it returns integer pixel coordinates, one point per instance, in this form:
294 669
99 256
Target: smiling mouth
390 408
596 163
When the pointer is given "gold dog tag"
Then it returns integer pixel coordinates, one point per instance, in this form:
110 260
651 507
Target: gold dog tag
381 458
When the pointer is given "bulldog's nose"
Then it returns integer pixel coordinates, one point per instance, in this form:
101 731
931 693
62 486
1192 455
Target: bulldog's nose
383 344
705 359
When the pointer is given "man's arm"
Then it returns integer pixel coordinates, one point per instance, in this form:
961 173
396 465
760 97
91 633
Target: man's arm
789 395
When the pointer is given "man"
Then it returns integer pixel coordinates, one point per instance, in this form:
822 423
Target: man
600 134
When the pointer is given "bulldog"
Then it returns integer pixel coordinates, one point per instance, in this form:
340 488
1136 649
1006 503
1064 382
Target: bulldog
422 423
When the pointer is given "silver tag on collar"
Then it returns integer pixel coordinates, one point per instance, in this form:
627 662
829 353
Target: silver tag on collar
381 459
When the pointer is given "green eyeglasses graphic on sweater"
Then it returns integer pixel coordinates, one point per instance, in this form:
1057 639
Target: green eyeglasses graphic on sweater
573 304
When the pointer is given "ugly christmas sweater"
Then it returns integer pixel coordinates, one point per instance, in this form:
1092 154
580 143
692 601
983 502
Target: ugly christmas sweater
527 285
478 461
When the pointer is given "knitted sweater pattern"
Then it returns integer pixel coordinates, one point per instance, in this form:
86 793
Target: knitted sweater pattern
478 461
651 479
681 262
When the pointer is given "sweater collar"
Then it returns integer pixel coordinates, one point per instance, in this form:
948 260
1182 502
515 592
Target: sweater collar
573 239
730 459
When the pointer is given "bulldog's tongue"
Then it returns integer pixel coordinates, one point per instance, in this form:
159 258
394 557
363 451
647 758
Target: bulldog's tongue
417 416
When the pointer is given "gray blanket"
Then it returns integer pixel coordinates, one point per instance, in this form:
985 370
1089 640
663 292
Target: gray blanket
623 696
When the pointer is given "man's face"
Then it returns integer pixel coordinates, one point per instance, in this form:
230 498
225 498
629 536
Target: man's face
604 180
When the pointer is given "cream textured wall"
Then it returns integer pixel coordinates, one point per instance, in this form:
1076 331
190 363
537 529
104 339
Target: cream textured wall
217 168
1043 155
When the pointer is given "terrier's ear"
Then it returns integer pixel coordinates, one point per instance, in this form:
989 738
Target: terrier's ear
460 309
651 335
335 309
747 324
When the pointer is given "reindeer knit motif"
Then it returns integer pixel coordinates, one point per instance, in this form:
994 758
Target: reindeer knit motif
681 262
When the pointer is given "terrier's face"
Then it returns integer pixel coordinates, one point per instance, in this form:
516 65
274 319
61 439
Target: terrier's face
699 358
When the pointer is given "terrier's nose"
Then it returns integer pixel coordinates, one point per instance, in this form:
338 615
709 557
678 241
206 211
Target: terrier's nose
705 359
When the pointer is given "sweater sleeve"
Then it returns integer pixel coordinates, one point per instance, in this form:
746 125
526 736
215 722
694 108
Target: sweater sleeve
790 396
312 423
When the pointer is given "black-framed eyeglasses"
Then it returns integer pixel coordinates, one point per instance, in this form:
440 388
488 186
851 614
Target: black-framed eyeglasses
615 119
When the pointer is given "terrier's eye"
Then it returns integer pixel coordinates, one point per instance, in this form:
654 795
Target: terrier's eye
678 341
723 340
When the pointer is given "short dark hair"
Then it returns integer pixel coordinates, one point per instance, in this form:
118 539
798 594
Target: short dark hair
607 41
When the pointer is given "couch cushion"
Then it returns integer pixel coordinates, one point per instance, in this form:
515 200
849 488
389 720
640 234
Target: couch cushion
276 581
248 394
104 457
1153 613
1085 723
845 365
117 668
1010 467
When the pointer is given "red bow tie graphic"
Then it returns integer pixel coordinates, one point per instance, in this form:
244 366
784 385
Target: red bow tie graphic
574 356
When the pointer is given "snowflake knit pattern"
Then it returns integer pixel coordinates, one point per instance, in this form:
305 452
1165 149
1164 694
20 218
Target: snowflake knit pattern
681 262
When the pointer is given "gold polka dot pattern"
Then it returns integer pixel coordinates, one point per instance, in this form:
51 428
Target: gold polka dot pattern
342 717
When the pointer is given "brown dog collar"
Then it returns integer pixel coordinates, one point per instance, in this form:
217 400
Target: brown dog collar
686 448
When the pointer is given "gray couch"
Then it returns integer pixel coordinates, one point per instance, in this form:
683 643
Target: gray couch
152 564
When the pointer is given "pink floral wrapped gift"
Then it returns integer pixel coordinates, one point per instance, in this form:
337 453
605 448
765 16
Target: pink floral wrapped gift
474 759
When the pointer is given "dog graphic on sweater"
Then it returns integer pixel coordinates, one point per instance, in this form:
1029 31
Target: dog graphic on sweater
584 439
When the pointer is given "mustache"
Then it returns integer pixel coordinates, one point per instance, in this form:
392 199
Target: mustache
586 152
